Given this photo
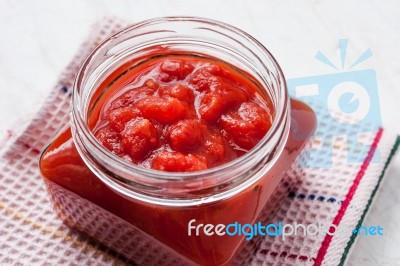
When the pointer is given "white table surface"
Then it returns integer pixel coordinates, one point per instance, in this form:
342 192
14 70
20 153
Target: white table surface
38 39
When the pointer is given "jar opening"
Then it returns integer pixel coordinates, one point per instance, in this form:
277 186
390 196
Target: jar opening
179 34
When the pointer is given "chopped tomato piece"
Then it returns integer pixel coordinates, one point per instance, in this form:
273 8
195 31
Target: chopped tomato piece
178 162
175 69
247 125
163 110
139 138
118 118
186 135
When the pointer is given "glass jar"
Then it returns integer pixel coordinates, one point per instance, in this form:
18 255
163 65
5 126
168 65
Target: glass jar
158 217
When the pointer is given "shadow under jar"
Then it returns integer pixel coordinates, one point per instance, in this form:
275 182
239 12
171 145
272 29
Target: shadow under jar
142 213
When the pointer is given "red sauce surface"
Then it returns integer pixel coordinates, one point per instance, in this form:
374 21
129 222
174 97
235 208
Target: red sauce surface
182 113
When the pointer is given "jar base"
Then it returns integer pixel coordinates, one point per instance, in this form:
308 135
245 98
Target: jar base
88 208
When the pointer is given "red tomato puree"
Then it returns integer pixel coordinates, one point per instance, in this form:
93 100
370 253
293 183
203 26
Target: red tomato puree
175 113
183 113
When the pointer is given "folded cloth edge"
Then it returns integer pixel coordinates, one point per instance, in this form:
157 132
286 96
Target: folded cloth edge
350 244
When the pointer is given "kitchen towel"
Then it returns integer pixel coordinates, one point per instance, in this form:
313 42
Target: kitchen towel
339 195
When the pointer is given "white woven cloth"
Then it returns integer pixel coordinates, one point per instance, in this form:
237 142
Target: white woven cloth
32 234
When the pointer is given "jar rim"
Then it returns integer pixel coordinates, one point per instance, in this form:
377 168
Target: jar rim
86 135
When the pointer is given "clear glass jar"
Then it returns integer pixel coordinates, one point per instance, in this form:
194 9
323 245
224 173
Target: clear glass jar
110 199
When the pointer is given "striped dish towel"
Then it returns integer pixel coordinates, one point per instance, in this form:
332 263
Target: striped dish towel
338 195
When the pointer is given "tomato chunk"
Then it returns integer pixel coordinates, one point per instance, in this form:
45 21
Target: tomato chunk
218 149
163 110
118 118
204 80
175 69
247 125
186 135
110 139
139 138
131 97
178 162
180 92
215 103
